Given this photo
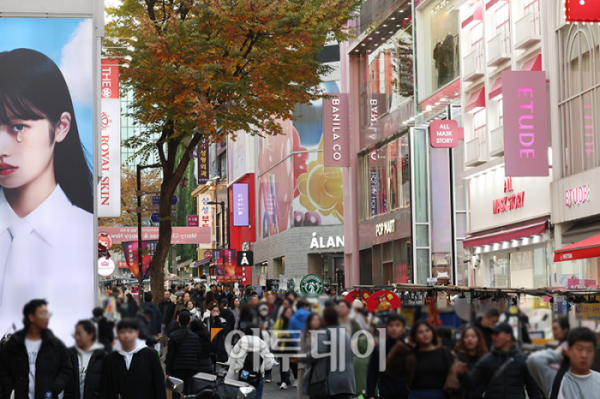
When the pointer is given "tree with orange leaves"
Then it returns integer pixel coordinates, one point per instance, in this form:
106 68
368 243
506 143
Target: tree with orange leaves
214 68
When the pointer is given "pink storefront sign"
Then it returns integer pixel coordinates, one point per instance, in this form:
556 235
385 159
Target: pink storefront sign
525 123
179 235
335 130
445 134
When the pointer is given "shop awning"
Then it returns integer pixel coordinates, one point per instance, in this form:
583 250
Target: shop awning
476 101
515 233
496 89
476 15
492 3
534 64
589 248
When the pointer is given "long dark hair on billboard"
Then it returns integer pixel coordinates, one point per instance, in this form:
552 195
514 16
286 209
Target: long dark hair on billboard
32 87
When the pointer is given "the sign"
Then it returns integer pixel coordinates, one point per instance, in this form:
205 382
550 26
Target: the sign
109 78
205 211
374 190
207 254
432 280
109 187
331 242
106 267
383 228
510 201
179 235
582 10
156 200
193 221
241 208
445 134
202 160
262 280
578 284
245 258
225 260
335 131
311 285
578 195
155 217
130 251
587 311
525 123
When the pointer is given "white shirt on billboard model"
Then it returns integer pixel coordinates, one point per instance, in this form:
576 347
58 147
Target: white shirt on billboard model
53 261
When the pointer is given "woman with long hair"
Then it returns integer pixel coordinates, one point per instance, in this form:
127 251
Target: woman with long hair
194 312
313 323
46 192
205 364
280 335
425 366
470 348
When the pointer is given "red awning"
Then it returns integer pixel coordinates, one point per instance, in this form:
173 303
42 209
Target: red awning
533 64
476 101
477 15
496 89
514 233
589 248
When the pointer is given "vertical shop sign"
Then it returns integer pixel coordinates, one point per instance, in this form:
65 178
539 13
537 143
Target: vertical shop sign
445 134
203 162
240 204
373 191
130 251
109 188
525 123
205 211
582 10
335 130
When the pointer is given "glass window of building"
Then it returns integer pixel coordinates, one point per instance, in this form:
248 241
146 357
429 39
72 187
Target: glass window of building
580 95
387 175
387 72
440 46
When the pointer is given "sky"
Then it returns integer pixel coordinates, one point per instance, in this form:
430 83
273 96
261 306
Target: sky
69 43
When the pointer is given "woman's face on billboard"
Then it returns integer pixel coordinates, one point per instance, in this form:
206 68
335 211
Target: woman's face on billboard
27 151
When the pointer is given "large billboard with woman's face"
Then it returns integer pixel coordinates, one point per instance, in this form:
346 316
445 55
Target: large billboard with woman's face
46 146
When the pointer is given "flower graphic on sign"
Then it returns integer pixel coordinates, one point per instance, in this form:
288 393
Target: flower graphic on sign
106 92
105 122
321 188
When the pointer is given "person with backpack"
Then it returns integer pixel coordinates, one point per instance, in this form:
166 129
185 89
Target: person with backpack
86 356
250 358
34 363
503 371
183 353
577 381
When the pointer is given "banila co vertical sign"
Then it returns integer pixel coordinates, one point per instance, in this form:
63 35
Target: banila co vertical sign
109 188
335 130
525 123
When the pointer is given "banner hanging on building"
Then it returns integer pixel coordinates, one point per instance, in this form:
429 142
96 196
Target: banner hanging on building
335 130
202 160
109 188
240 204
582 10
130 251
525 123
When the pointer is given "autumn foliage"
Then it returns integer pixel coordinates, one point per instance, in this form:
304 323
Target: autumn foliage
216 68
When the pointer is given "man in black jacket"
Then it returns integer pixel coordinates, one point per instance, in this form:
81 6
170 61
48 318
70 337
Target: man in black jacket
34 363
86 357
389 386
155 321
485 324
503 372
228 315
132 371
183 352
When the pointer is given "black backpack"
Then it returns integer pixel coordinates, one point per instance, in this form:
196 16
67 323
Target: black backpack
248 373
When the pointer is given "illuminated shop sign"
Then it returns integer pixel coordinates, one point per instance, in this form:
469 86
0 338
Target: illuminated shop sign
578 195
509 202
385 228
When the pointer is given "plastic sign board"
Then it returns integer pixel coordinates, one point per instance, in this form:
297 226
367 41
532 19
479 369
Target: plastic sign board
445 134
582 10
106 267
193 221
245 258
525 123
335 130
241 206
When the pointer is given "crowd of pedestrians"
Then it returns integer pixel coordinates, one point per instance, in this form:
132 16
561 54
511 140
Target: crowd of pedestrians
334 350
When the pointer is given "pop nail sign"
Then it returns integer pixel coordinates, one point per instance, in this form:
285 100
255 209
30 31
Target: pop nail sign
445 134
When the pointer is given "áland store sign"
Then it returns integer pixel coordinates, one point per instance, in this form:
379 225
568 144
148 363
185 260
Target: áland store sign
582 10
335 130
445 134
525 123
